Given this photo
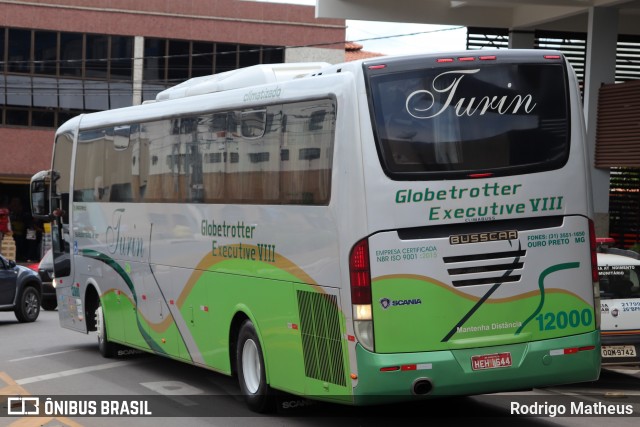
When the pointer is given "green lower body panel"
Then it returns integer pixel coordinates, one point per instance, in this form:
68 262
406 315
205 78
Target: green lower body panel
395 377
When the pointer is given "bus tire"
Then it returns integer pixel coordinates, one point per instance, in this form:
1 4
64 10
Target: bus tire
251 371
107 349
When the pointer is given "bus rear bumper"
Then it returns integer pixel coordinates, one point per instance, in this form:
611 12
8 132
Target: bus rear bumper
409 376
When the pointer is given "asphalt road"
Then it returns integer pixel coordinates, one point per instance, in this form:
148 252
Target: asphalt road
41 360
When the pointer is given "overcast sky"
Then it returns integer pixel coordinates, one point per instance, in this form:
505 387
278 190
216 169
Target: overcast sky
393 38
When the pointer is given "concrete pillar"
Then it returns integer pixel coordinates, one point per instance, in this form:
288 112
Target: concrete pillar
600 69
138 62
521 39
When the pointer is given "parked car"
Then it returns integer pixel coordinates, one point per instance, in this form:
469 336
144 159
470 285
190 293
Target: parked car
45 270
20 290
619 272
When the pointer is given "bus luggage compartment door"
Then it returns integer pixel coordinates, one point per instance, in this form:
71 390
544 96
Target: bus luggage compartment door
431 294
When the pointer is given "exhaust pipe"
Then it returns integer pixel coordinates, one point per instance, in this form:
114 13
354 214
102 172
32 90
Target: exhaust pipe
422 386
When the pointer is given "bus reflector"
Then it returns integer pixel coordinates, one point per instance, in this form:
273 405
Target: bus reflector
444 60
467 58
570 350
377 67
488 58
551 56
360 274
409 367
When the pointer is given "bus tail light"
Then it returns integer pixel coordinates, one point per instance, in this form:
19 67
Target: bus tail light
360 276
360 273
594 252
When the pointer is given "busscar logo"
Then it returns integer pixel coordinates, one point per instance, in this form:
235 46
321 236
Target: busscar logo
489 236
23 405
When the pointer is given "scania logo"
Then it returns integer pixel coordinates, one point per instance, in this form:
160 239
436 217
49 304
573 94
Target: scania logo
386 302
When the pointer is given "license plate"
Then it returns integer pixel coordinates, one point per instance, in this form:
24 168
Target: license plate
618 351
490 361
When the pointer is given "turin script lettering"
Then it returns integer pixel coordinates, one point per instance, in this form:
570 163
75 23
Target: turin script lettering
421 103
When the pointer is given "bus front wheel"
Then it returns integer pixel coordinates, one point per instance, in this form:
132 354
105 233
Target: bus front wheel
106 348
251 370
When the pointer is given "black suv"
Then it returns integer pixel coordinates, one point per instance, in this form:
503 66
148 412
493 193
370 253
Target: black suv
20 290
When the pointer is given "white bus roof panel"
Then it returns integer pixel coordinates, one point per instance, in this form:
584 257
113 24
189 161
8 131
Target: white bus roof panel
243 77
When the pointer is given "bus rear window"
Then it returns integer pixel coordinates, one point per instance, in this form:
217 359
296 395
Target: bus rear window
451 122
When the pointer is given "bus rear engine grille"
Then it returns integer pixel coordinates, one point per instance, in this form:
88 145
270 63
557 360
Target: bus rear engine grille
321 338
486 268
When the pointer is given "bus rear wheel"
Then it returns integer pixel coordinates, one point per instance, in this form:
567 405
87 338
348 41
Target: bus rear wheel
251 370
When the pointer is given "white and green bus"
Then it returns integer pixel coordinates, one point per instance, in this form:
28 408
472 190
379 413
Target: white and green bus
390 229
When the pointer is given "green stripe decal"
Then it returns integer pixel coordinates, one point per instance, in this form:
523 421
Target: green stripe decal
481 301
545 273
105 259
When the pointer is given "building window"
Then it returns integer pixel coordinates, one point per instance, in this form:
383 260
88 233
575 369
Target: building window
226 57
71 54
19 58
47 77
45 52
168 62
3 60
17 117
201 59
121 60
178 63
43 118
97 57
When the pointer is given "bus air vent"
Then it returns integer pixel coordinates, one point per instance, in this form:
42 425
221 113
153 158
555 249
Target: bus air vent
485 268
321 339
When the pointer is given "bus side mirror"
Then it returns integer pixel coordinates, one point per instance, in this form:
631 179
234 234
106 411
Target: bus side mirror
40 206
